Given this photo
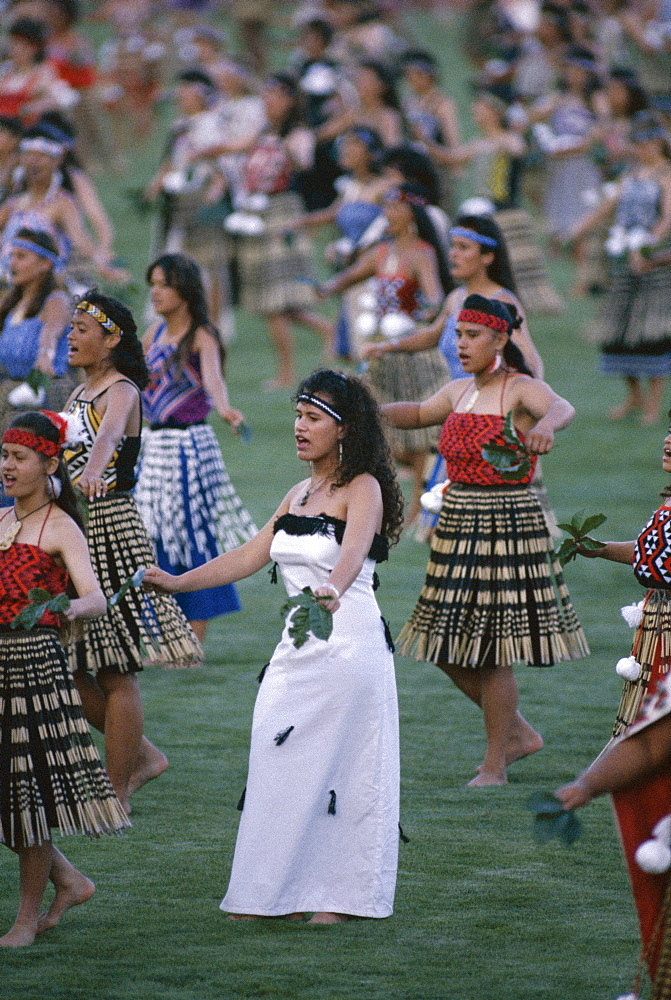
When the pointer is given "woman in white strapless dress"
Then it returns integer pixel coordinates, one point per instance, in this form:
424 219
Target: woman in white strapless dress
319 826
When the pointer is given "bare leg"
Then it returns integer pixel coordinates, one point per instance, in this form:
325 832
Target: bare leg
523 741
634 399
329 918
34 867
281 336
416 460
320 325
653 404
72 888
149 761
200 628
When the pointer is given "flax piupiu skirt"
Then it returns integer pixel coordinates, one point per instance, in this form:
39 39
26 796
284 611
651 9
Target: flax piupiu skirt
143 627
494 593
652 649
50 771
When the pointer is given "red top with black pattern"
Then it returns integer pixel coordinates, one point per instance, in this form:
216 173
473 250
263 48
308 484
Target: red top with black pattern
23 567
652 551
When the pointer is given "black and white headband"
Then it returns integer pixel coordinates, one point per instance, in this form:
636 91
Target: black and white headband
321 405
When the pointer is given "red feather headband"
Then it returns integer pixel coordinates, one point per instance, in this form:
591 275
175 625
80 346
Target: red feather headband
483 319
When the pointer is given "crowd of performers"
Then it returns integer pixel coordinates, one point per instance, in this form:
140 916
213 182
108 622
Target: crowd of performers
356 133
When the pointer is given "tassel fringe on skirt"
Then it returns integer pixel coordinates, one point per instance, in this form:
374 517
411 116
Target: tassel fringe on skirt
143 627
494 593
50 771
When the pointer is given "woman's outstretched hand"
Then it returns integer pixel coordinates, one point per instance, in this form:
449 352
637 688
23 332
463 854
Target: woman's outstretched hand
327 598
576 794
158 579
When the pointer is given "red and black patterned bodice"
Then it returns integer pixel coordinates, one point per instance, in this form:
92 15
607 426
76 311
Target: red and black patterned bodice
23 567
652 551
461 442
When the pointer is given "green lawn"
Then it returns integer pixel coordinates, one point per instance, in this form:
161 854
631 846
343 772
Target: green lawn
482 912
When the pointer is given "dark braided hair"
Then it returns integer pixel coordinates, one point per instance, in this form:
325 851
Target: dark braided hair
41 426
364 447
182 274
127 357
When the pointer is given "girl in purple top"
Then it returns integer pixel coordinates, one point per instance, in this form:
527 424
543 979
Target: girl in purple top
183 492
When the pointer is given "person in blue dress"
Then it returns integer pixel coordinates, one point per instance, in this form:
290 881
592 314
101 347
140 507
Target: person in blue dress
34 320
183 492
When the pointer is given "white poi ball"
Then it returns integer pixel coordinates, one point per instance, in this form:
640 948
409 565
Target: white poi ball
653 856
367 301
257 202
24 395
628 668
632 614
662 830
396 324
366 324
432 500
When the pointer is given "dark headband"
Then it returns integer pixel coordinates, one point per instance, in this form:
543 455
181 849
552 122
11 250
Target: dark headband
321 405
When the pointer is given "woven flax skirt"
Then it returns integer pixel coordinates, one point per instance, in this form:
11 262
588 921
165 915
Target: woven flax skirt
143 627
652 649
50 771
494 594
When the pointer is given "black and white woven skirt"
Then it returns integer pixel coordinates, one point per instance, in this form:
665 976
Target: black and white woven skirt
494 593
143 627
51 775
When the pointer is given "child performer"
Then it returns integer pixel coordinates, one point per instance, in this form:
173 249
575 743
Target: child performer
50 772
104 344
489 596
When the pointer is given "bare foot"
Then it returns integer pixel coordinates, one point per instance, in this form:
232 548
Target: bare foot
20 936
522 744
650 417
486 778
150 764
623 410
244 916
276 384
70 891
329 918
293 916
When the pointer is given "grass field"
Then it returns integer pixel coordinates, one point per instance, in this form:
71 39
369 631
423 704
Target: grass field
482 912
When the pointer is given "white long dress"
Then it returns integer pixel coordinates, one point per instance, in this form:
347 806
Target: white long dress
319 826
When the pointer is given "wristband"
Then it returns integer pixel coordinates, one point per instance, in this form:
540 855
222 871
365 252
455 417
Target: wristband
334 590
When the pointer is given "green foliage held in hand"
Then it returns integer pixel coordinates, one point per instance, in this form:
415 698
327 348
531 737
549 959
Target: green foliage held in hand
552 820
310 616
40 601
511 460
578 529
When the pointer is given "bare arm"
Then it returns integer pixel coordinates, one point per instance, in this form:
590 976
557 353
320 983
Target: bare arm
73 550
409 416
422 339
364 267
55 315
229 567
623 765
364 515
213 379
621 552
87 196
427 275
122 403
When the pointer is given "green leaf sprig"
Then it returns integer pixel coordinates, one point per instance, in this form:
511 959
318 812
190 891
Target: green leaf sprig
37 380
552 820
578 529
511 460
311 616
133 581
40 601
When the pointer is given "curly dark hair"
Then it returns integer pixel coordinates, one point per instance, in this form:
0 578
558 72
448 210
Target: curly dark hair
183 275
38 424
364 447
127 357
